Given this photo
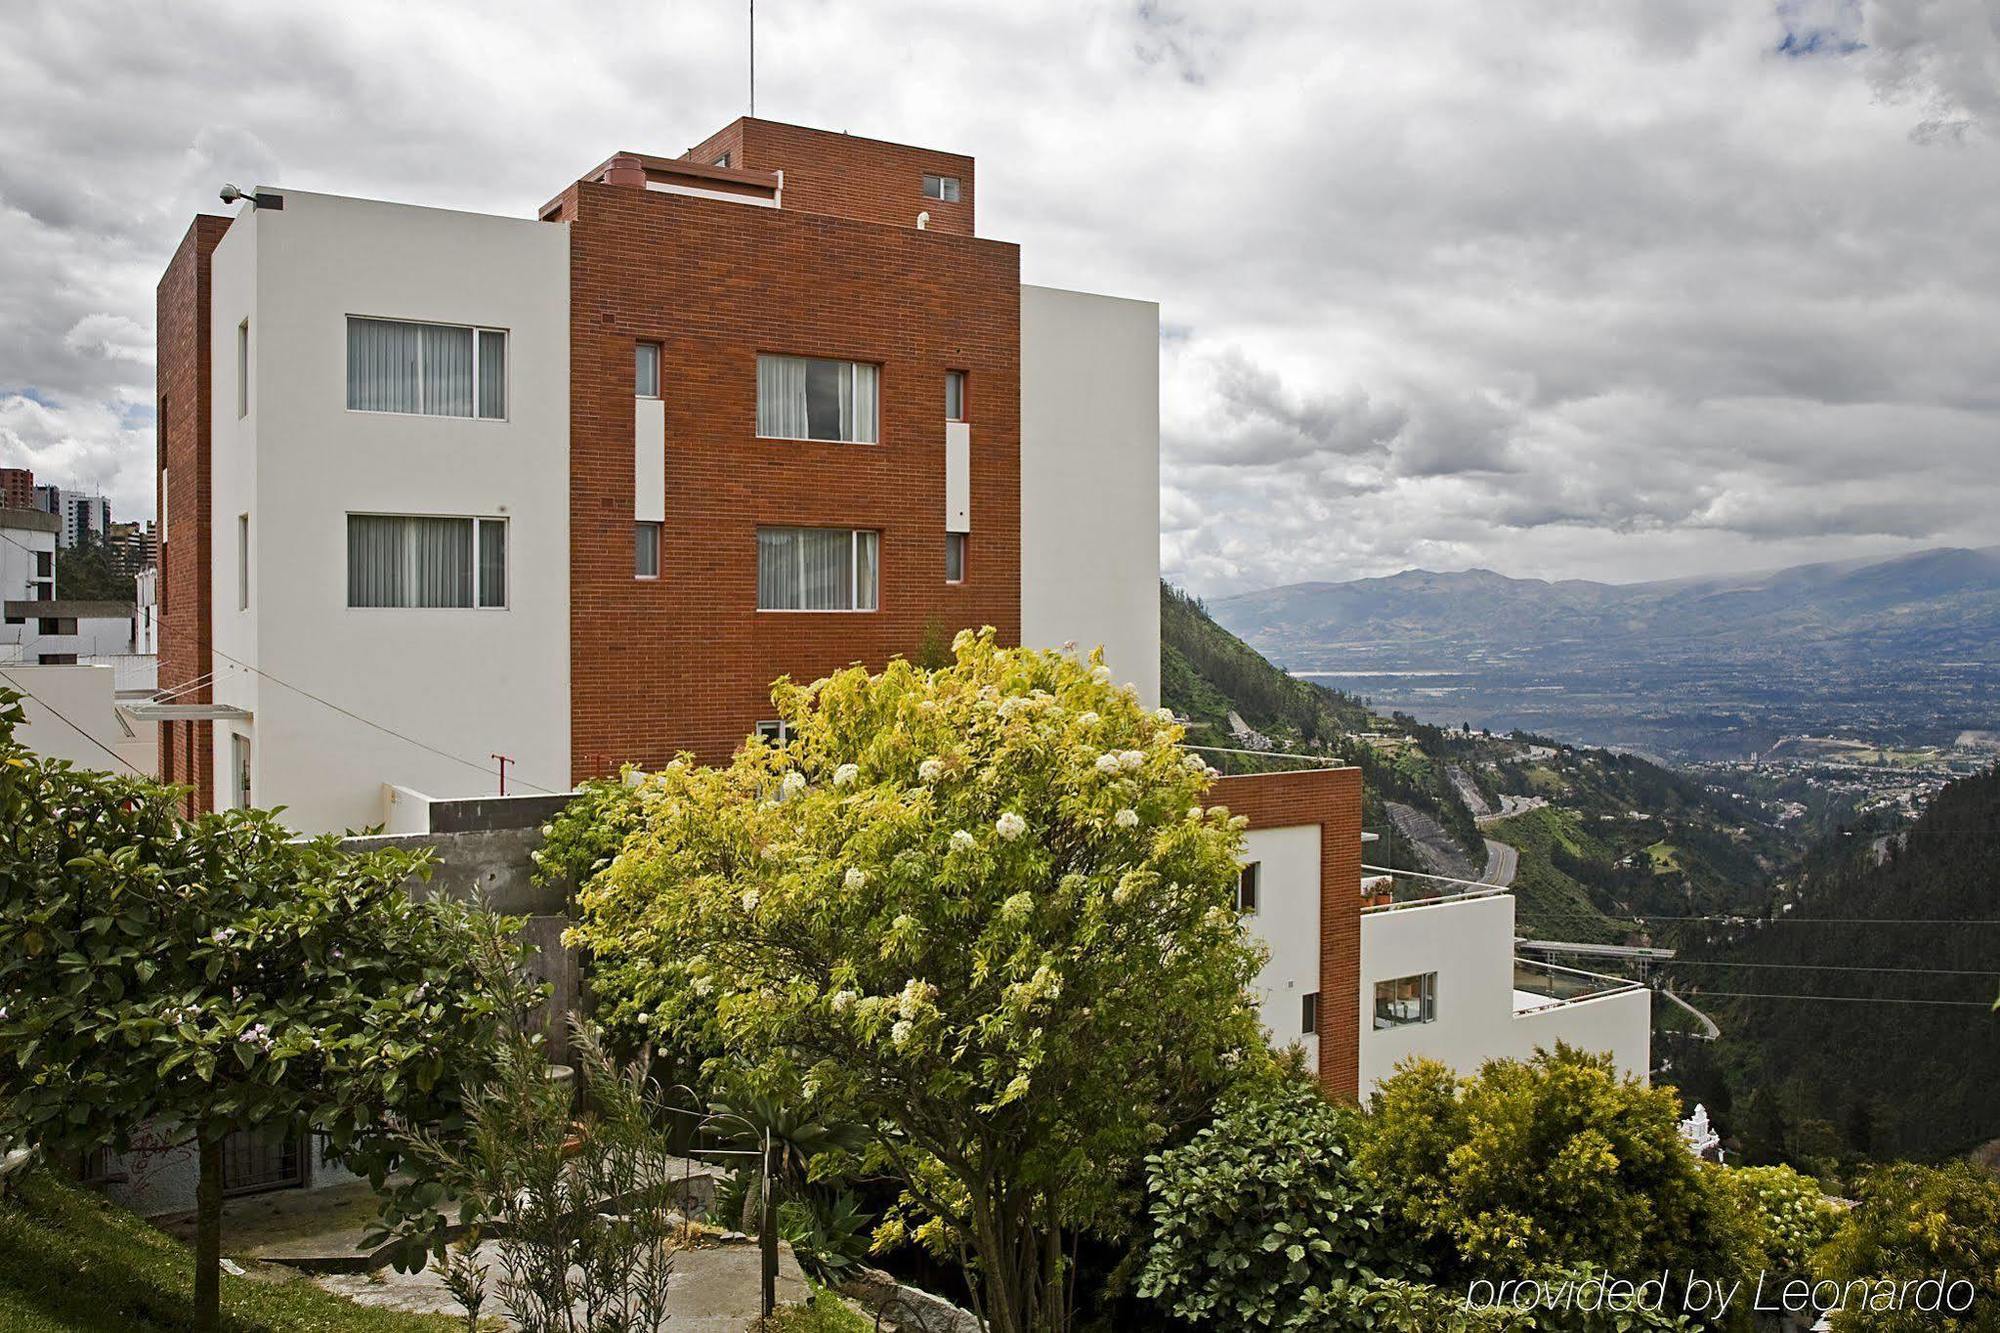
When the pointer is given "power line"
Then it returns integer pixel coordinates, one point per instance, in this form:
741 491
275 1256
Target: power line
1838 999
1830 920
366 722
1831 967
27 693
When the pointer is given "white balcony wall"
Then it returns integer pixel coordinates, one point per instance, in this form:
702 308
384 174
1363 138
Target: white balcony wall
1090 478
1469 944
1286 923
466 682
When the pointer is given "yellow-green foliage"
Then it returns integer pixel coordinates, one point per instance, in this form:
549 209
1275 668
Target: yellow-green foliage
983 907
1788 1215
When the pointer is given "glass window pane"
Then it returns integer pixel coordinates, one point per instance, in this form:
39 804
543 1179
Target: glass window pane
646 550
827 389
826 569
954 395
954 557
382 366
777 569
866 574
646 370
492 374
492 562
447 371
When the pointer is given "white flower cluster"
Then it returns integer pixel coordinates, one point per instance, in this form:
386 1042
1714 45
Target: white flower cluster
1126 818
1087 718
1107 764
1010 826
750 899
916 998
930 770
855 879
963 841
845 775
258 1035
224 935
794 782
1100 673
843 1001
1130 759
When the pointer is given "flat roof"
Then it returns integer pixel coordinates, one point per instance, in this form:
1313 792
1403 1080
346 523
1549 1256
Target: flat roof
32 520
73 610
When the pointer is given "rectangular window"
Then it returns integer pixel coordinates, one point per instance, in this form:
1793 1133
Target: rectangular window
243 562
1246 889
645 550
243 369
954 395
646 370
810 398
817 569
941 187
775 731
1406 1000
437 370
954 557
398 560
45 564
722 161
1309 1013
239 768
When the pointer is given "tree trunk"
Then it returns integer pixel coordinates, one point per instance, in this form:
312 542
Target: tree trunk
208 1237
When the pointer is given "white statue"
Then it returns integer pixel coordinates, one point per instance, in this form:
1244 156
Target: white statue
1699 1135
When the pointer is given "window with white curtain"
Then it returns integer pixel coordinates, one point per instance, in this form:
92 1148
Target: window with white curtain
408 560
817 569
645 550
436 370
811 398
944 188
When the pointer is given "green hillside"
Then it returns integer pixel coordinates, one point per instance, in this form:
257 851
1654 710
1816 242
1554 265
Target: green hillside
1551 904
1205 671
1915 918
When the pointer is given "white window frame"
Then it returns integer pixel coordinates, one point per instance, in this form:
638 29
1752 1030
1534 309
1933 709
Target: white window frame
958 541
955 378
949 188
852 366
775 730
506 602
1248 875
854 536
507 371
659 368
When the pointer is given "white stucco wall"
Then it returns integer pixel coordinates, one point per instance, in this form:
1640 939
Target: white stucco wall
102 737
467 682
1090 478
1287 923
1469 943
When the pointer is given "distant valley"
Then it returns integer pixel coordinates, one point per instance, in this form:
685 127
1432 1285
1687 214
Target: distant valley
1895 660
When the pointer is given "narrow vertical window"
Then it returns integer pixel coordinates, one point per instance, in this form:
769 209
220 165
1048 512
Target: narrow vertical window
243 369
243 562
646 371
1309 1013
239 770
645 550
954 557
1246 889
493 562
954 395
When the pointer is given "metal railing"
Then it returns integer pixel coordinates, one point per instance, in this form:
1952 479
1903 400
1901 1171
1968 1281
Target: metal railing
1564 985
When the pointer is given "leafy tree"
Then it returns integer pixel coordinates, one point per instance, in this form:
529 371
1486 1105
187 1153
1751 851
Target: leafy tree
1551 1162
212 975
1789 1216
1914 1223
90 571
980 909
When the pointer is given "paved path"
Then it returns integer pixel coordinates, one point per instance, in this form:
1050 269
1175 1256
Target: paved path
1441 855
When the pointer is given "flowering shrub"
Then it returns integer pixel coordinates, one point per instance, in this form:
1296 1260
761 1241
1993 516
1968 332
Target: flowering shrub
938 910
1788 1216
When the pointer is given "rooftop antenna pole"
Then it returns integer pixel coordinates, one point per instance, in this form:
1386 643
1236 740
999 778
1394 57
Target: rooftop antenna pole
753 59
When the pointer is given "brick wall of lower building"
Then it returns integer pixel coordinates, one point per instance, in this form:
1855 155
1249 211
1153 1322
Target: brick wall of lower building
1330 798
181 425
686 661
847 176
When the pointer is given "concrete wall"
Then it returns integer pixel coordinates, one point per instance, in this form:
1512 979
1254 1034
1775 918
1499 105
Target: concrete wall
101 737
1090 478
1287 923
468 682
1469 943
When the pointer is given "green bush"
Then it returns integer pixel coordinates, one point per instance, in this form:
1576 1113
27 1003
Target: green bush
1914 1223
1546 1164
1788 1217
1262 1220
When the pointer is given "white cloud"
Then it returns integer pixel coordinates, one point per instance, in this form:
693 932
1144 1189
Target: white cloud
1594 289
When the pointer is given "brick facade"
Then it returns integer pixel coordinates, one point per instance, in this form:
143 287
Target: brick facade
685 662
845 176
1331 798
183 379
17 488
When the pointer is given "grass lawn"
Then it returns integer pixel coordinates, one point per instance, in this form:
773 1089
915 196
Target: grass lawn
72 1263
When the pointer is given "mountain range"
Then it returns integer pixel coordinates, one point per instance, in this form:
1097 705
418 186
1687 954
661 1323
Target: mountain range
1903 650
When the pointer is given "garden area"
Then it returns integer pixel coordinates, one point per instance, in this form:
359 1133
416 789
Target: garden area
949 985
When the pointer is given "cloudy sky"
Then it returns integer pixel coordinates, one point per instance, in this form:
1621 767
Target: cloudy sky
1564 288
